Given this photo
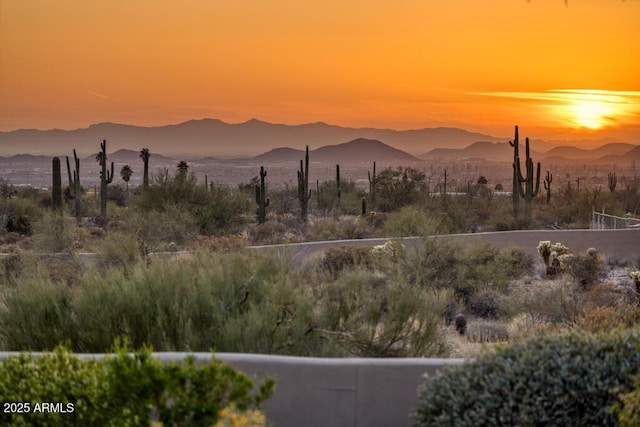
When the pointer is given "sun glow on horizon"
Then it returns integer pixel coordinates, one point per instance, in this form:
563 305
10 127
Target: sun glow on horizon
590 109
591 114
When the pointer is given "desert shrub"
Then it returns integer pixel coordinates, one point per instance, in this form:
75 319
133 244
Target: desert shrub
584 269
371 316
326 201
344 227
14 266
117 251
486 331
557 303
336 259
628 409
18 215
399 187
607 317
156 227
487 304
558 380
212 210
36 315
441 263
54 232
410 221
125 390
514 262
271 232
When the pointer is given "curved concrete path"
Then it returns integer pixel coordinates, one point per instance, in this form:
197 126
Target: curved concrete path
619 244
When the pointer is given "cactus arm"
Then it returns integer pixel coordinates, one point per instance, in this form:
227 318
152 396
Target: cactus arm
537 189
69 172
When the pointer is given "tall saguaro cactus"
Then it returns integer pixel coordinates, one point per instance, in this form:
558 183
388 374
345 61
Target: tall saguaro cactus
373 181
304 194
106 177
515 193
613 181
530 180
74 184
547 185
56 188
338 189
261 199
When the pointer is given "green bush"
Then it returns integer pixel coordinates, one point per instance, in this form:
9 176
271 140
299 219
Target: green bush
36 315
374 316
336 259
124 390
487 304
410 221
560 380
441 263
628 410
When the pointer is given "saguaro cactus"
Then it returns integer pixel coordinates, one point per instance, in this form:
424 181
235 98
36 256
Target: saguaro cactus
373 181
613 181
547 185
530 189
261 199
515 193
444 185
364 206
74 184
304 194
338 189
56 189
106 177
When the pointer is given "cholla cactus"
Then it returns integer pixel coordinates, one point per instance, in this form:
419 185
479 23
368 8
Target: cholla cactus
544 249
391 248
550 253
558 249
565 260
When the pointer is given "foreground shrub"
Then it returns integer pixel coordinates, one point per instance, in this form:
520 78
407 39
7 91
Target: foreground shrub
560 380
628 410
124 390
374 316
336 259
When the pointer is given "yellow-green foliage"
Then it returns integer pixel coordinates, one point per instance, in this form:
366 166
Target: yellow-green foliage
126 390
628 410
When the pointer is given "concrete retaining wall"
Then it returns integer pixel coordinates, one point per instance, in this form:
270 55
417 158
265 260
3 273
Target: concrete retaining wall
322 392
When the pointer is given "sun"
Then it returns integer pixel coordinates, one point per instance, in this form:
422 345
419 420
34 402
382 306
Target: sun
591 114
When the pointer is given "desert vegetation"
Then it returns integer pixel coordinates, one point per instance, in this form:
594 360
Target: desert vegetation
171 259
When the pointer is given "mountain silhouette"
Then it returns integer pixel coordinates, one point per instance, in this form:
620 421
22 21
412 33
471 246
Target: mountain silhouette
213 137
356 151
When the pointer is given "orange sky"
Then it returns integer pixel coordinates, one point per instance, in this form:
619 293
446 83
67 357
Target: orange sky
482 65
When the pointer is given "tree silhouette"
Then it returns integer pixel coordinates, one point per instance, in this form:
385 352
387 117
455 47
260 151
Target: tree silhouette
144 155
126 173
183 168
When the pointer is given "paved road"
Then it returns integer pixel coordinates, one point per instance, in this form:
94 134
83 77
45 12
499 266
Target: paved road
618 244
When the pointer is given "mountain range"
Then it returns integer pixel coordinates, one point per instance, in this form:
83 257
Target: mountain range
212 137
609 153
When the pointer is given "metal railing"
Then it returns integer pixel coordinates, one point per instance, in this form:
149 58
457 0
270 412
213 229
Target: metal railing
603 221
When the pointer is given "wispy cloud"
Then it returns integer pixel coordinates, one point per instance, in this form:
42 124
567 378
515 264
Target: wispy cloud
97 94
572 95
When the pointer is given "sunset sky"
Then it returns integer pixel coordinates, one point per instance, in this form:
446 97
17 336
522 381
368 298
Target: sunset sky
558 70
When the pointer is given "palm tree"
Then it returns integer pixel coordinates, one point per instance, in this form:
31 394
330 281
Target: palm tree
126 173
144 155
183 168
